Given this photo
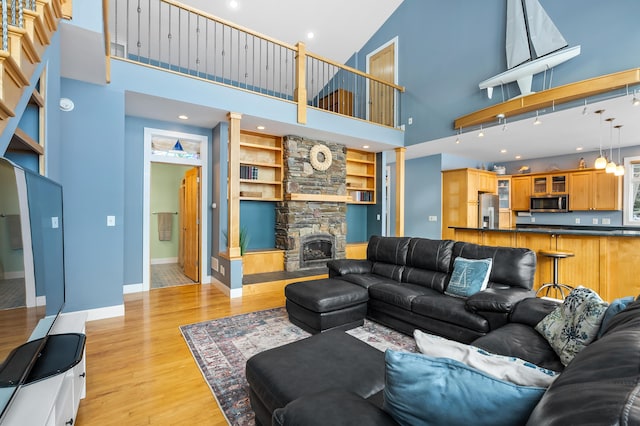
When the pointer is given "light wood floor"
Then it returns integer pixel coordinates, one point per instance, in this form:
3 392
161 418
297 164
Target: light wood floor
139 368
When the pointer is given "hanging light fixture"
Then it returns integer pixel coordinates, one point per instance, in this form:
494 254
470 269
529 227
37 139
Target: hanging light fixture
458 137
481 133
601 162
611 166
635 101
620 169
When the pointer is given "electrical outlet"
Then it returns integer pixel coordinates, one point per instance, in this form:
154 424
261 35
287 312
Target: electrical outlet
111 221
54 222
606 221
377 217
577 221
214 264
433 218
533 219
594 221
222 270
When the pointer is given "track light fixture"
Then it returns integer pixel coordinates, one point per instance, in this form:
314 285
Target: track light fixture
601 162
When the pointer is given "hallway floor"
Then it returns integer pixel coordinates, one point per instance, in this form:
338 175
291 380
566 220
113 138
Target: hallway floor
168 275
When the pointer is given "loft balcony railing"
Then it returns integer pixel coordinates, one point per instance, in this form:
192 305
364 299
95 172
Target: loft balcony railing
176 37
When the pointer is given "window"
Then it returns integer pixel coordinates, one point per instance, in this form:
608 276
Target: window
632 191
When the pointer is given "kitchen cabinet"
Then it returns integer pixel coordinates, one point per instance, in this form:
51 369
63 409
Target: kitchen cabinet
460 189
594 190
556 183
504 200
520 193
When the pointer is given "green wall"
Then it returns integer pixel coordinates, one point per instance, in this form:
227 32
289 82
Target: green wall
165 183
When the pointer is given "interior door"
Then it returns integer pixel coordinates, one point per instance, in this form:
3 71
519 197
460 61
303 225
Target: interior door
191 224
382 97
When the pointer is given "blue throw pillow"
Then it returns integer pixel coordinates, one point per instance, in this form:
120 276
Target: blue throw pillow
615 307
469 276
423 390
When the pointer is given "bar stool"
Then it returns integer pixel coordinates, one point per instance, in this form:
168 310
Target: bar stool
555 255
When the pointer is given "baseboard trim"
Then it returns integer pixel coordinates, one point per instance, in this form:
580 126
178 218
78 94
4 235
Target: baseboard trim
11 275
232 293
132 288
164 260
104 313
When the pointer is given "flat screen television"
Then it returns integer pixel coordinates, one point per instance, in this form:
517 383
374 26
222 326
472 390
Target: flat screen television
32 287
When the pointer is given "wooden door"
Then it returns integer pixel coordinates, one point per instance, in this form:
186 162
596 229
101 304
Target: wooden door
181 211
382 97
191 224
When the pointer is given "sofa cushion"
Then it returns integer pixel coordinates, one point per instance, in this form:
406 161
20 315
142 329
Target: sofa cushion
522 341
469 277
391 250
333 407
367 280
574 324
439 391
388 270
428 263
508 368
511 266
397 294
449 309
614 308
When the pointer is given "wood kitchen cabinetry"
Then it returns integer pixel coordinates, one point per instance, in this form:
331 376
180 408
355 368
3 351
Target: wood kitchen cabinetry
520 193
460 189
504 201
555 183
594 190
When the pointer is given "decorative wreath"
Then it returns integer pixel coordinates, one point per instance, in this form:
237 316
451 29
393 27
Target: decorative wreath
326 154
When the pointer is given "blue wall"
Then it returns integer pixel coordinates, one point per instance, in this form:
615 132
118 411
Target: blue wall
422 175
259 219
93 179
447 47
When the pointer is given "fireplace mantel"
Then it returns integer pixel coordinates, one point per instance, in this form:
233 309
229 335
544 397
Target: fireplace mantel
318 197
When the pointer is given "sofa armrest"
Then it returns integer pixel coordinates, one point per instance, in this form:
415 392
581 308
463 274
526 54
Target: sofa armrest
497 299
532 310
339 267
333 407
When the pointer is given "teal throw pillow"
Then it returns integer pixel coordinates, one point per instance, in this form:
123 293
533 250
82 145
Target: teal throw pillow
574 324
469 276
422 390
614 308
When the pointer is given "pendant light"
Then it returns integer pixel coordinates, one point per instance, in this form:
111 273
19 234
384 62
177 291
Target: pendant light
611 166
601 162
620 169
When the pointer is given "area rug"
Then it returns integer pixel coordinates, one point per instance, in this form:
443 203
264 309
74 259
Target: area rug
222 347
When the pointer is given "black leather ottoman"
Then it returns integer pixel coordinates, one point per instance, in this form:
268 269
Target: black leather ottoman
331 360
321 305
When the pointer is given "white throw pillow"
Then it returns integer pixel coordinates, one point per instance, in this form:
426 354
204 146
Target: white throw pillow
507 368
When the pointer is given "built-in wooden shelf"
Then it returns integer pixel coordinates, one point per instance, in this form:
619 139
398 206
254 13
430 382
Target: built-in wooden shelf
261 157
361 177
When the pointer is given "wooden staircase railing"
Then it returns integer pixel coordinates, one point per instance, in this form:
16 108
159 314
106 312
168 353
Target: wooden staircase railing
28 25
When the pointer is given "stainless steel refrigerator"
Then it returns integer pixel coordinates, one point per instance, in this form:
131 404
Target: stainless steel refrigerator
488 211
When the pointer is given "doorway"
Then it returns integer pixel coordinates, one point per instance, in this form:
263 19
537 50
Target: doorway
174 222
188 151
381 99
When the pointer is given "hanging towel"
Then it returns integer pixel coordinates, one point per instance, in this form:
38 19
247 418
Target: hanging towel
165 222
14 230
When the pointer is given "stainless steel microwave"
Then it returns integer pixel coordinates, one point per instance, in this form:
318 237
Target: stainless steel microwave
549 204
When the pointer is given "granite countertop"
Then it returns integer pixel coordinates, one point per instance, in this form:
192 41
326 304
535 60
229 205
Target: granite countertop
565 230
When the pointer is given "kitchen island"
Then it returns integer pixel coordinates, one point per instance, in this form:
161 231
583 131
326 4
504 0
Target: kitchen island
605 259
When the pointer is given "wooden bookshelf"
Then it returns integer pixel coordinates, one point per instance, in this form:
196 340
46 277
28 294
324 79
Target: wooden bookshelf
361 177
260 167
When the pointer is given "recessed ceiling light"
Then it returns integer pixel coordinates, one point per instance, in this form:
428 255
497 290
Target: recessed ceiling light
503 151
260 127
233 4
365 146
579 148
518 157
310 35
183 117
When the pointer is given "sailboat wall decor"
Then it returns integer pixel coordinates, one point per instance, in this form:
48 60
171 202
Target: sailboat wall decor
529 28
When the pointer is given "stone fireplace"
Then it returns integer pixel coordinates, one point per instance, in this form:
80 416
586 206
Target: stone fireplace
311 221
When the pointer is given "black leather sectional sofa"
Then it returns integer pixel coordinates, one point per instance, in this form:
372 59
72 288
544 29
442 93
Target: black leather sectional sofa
407 277
333 378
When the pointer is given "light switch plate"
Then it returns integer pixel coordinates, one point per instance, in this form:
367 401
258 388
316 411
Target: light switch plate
594 220
54 222
111 221
606 221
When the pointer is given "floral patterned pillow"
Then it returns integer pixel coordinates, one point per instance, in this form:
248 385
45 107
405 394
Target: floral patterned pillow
573 324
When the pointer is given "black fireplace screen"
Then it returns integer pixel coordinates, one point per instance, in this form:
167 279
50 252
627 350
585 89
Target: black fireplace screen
316 249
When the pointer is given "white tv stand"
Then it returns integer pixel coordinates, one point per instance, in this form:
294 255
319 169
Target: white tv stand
54 400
